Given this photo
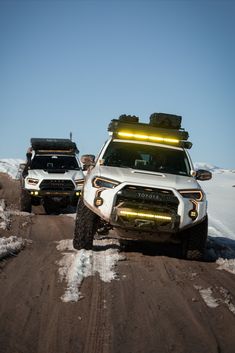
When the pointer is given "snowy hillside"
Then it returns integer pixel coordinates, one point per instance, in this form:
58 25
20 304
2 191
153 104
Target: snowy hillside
10 166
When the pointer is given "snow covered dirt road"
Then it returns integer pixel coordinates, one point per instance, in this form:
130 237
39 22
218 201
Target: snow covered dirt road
54 299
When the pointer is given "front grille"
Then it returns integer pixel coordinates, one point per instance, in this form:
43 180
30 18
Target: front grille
138 202
144 196
56 185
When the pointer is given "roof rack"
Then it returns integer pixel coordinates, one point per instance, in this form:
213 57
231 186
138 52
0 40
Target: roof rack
163 128
53 145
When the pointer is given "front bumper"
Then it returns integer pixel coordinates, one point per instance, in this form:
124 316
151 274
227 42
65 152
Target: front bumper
146 209
51 193
146 220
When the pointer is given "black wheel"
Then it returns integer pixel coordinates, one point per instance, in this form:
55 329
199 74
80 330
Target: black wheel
25 201
74 201
194 241
85 227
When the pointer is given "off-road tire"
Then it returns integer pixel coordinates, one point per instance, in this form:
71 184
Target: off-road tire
194 241
85 227
25 201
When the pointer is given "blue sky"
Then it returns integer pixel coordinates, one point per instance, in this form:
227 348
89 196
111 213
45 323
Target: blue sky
75 65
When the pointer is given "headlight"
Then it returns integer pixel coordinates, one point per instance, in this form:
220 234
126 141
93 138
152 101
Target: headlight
197 195
104 183
32 181
79 182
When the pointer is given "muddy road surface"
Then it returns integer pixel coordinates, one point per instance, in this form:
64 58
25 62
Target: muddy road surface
155 303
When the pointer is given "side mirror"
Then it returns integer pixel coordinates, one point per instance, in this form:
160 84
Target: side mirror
87 160
202 175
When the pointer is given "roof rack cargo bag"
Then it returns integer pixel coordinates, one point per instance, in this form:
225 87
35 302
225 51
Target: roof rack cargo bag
168 121
53 144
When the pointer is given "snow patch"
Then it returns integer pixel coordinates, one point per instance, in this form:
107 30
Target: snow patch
207 296
225 298
4 216
226 265
10 246
77 265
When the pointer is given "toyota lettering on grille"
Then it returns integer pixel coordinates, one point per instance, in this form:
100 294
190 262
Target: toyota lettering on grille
143 195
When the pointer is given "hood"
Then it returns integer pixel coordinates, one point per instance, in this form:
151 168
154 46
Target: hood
42 174
151 179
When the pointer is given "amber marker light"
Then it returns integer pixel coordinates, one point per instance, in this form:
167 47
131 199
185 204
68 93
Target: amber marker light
197 195
147 137
145 215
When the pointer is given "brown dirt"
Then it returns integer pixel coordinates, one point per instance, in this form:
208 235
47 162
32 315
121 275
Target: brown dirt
153 307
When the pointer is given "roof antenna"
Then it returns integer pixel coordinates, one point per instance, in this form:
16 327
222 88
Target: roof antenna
70 135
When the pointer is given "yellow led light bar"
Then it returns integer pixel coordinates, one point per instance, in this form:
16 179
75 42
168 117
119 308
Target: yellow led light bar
147 137
145 215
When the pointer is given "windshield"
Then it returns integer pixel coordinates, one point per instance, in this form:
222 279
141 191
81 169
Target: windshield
54 163
147 157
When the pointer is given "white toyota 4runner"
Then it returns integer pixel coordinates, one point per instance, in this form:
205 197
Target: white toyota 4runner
52 175
143 185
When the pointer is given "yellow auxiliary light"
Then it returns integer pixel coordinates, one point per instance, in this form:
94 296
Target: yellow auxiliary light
98 201
147 137
145 215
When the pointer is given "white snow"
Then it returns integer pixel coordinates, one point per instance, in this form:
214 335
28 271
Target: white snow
220 192
227 265
6 213
4 216
214 297
11 167
207 296
77 265
10 246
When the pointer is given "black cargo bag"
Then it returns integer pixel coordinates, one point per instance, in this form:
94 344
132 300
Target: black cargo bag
128 118
167 121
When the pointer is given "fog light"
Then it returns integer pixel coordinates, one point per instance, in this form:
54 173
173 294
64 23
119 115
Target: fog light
193 214
98 201
35 193
78 193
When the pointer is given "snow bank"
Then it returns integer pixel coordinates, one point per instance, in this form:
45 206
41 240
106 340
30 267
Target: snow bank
11 167
221 204
4 216
10 246
227 265
214 297
77 265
